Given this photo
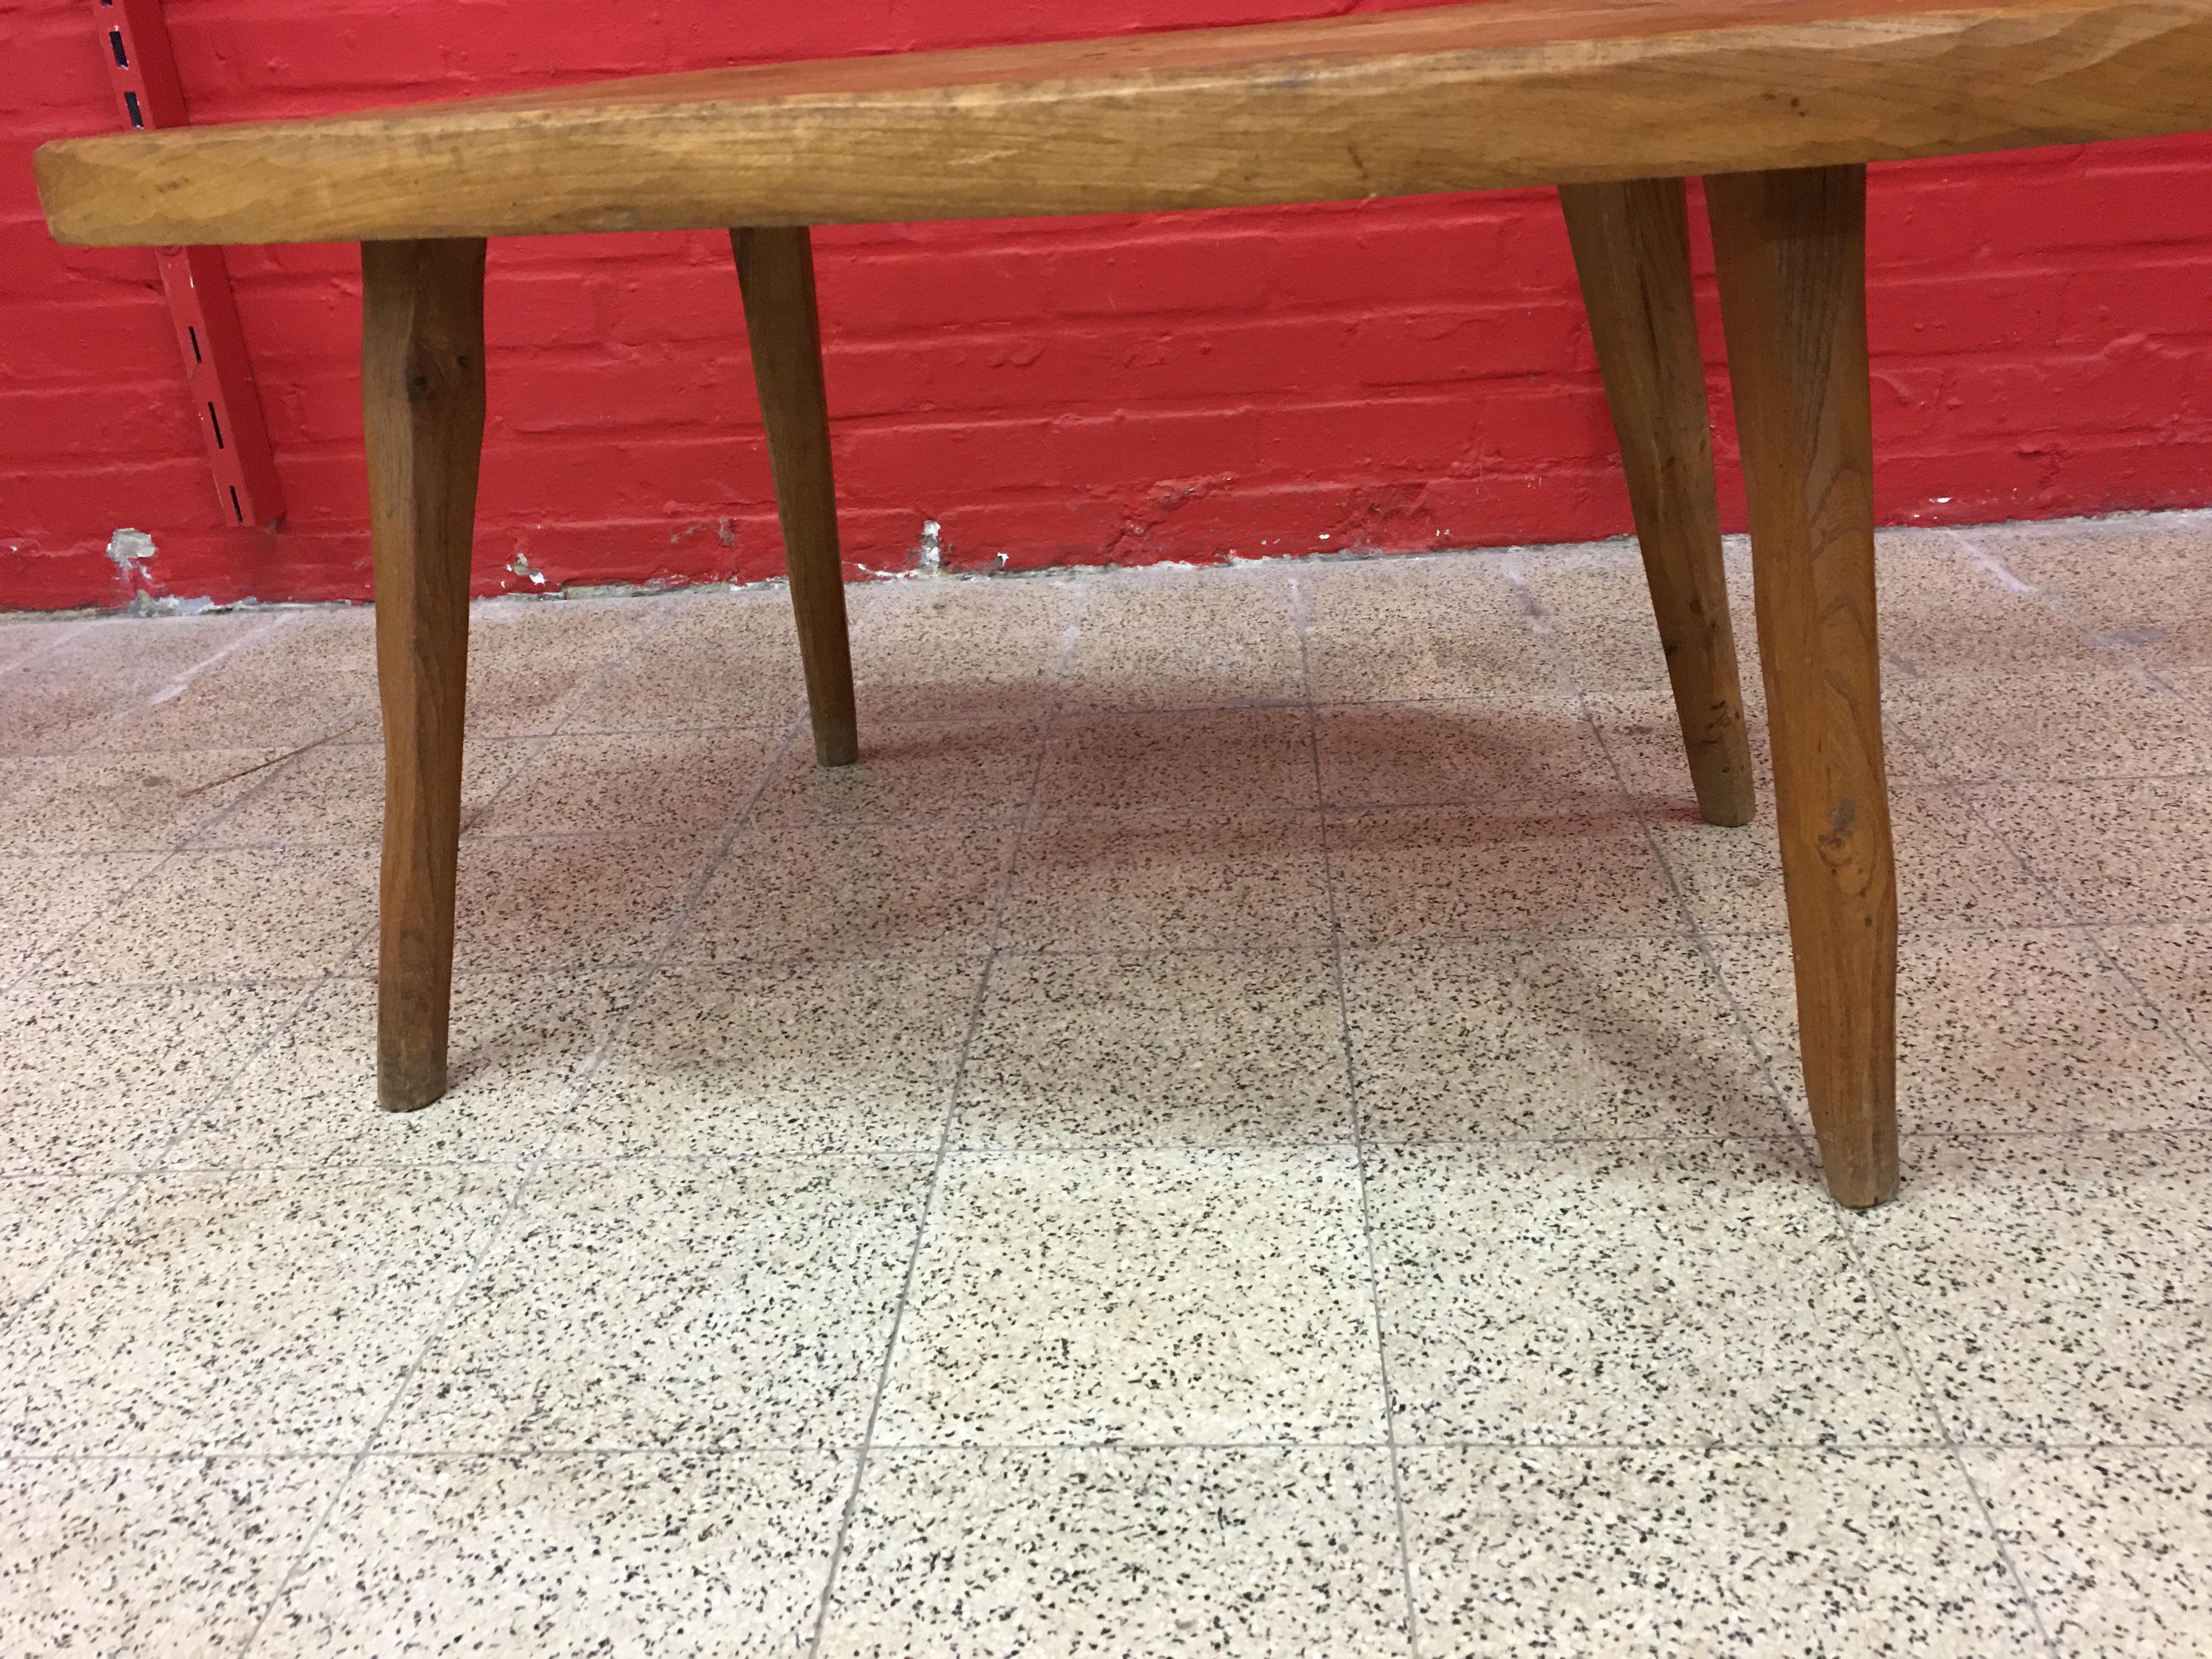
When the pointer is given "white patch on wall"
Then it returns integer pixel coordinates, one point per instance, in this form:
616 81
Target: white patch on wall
131 551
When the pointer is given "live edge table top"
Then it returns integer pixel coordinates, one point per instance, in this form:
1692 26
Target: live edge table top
1465 97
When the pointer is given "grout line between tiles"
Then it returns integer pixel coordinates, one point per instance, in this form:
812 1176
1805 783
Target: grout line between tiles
525 1173
344 967
1933 1405
1100 1148
1980 556
1999 830
1301 621
523 1178
271 771
1693 926
1870 1448
136 1179
1001 900
642 974
60 634
1840 1223
1972 543
29 965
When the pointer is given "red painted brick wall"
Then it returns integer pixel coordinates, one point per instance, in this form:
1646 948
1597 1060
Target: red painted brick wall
1395 374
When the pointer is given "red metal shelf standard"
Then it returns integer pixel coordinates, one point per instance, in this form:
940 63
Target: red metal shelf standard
133 43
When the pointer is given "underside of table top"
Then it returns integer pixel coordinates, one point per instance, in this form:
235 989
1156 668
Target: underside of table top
1465 97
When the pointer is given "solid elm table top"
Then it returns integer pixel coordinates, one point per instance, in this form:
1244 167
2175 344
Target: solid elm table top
1462 97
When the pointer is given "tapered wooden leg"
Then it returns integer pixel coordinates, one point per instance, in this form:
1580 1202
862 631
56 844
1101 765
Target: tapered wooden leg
423 402
1632 245
775 270
1791 247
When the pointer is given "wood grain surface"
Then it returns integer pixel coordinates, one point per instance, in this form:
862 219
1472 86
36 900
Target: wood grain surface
1631 243
783 330
1790 250
1510 93
422 407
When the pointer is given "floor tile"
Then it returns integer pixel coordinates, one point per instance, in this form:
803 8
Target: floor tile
1593 579
1168 882
952 650
1080 915
1401 629
76 694
98 1077
690 1306
1173 640
1212 761
2137 580
851 889
2005 1033
1531 751
680 1556
309 674
1953 871
2171 965
257 914
24 635
1947 611
1642 738
1687 1293
21 773
1180 1048
103 802
1175 1297
2055 1290
308 1100
835 1056
594 903
1427 873
1581 1037
332 795
909 771
2090 719
2112 1544
667 780
45 902
42 1218
1623 654
148 1558
263 1313
1768 1551
2117 849
710 657
2194 684
534 664
1161 1552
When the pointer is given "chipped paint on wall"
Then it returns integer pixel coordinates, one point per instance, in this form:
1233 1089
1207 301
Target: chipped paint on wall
131 551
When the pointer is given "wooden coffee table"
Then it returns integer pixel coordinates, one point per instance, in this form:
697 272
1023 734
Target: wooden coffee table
1778 103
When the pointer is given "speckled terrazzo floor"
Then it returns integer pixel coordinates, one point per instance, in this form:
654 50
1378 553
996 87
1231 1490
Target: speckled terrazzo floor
1256 1122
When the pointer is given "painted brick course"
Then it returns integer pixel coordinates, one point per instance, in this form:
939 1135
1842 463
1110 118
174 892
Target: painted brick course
1393 375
